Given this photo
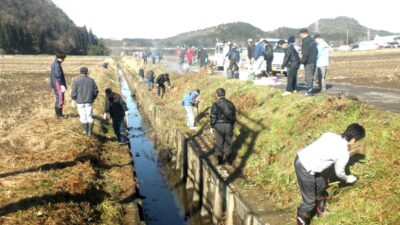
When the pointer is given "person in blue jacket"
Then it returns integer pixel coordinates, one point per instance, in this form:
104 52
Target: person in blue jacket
153 56
58 84
190 101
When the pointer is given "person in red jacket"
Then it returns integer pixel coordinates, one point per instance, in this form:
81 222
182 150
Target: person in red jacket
190 54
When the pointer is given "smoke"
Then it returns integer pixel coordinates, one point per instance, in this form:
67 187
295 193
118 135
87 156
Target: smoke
180 69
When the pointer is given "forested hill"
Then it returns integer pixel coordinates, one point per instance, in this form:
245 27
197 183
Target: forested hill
336 31
40 27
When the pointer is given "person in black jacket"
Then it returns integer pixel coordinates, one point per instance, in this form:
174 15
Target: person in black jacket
268 56
308 59
84 92
251 49
222 120
141 74
116 106
161 79
58 83
292 62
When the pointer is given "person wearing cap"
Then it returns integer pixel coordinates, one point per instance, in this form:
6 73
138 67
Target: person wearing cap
116 107
190 101
308 59
330 150
161 79
84 92
322 61
222 120
291 61
58 83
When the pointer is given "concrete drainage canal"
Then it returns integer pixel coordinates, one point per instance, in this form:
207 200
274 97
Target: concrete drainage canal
165 200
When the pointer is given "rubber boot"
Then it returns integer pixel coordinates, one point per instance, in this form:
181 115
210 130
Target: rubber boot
85 128
123 140
220 160
89 129
320 206
59 114
302 218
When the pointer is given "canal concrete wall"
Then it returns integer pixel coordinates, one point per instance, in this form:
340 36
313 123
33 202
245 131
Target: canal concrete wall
215 197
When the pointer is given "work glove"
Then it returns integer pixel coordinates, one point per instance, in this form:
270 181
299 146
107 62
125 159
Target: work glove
73 104
105 116
126 118
63 89
212 130
351 179
157 85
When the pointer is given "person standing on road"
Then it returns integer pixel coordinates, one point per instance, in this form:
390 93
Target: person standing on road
251 50
292 62
150 79
84 92
179 53
58 84
234 57
116 107
222 120
308 59
269 57
322 61
161 79
330 149
190 54
190 101
202 56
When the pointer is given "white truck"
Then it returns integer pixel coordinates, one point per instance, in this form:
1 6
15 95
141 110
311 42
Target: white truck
279 55
219 59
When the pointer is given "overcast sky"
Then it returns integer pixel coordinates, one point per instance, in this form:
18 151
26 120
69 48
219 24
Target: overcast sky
119 19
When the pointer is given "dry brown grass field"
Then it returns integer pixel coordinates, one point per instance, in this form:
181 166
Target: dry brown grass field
272 128
380 68
50 173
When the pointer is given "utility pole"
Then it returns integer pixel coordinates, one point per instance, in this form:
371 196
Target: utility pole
347 37
316 29
368 33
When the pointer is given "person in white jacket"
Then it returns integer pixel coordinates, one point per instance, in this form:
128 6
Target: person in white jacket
330 149
322 61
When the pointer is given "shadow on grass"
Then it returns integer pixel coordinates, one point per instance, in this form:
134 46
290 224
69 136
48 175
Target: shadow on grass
61 165
245 133
91 195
